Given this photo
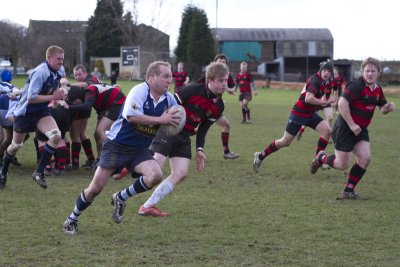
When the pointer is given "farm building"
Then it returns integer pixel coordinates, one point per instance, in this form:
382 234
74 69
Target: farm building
282 54
151 45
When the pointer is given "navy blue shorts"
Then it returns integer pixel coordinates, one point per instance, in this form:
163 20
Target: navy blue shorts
28 123
115 155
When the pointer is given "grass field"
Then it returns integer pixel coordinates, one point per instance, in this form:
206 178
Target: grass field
224 216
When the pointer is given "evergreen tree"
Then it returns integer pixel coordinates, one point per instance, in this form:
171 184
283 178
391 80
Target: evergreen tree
195 43
108 29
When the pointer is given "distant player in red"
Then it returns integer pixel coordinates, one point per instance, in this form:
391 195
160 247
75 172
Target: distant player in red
246 85
350 134
304 113
180 77
331 89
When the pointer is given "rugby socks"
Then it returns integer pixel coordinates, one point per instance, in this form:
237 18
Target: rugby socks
161 191
45 157
248 114
355 175
68 146
244 114
301 131
60 158
322 144
268 150
136 188
328 159
225 142
87 147
80 206
6 163
75 151
38 151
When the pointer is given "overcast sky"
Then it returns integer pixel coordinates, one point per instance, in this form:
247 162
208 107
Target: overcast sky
360 28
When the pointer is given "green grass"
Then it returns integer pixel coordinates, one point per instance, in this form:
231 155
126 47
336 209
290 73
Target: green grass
225 215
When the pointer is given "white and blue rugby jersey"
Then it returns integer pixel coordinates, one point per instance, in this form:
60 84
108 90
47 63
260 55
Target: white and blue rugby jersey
139 102
6 87
42 81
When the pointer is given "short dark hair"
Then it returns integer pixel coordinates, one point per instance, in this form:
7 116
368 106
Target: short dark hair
221 56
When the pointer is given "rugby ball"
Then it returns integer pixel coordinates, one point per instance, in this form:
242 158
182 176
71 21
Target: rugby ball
170 130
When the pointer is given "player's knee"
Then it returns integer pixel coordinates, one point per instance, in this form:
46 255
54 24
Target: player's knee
341 164
364 161
15 147
284 142
54 135
226 127
97 135
153 178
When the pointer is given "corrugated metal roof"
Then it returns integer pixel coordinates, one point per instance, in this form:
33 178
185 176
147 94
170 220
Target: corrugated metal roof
274 34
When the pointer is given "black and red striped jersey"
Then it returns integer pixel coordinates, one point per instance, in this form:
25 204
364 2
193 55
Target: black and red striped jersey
200 105
76 93
90 79
180 78
105 96
243 80
340 81
316 85
363 101
332 86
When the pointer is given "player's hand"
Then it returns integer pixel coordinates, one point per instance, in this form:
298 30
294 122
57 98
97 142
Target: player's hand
391 107
63 104
59 94
65 82
255 92
200 160
171 117
11 96
356 129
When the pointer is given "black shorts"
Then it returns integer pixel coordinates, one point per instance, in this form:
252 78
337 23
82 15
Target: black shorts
176 146
111 113
115 155
79 115
344 139
28 123
295 123
245 96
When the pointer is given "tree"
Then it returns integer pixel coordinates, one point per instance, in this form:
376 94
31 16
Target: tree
12 41
195 43
108 29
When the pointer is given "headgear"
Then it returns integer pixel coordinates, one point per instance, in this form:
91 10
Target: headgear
326 65
6 76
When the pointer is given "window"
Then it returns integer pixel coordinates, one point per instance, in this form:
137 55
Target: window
312 49
324 48
299 49
286 49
